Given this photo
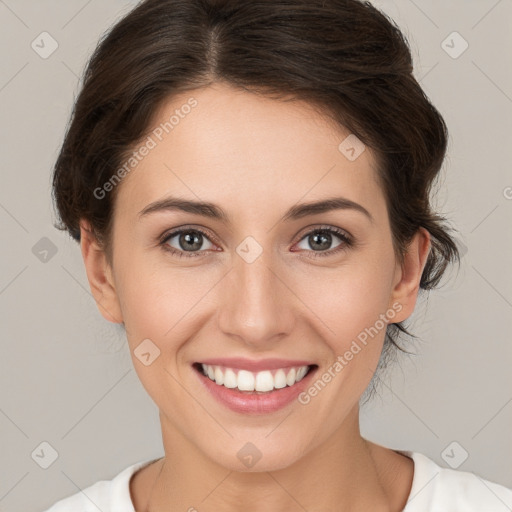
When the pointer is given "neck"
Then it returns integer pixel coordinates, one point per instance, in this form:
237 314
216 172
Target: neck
339 474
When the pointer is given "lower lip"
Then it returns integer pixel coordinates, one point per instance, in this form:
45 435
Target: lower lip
253 402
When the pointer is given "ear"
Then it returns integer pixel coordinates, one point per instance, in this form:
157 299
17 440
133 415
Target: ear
99 275
408 275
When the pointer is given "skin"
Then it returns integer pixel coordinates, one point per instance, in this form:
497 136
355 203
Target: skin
256 157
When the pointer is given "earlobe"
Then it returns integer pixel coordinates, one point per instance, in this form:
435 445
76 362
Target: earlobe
99 275
405 291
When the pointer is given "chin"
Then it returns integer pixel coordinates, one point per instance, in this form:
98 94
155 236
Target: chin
256 456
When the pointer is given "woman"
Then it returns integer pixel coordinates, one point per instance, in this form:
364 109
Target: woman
250 186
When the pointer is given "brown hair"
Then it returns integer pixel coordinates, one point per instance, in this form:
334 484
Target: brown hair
343 56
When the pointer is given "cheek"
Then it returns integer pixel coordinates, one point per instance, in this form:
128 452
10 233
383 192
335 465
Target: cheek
155 306
152 305
352 305
159 301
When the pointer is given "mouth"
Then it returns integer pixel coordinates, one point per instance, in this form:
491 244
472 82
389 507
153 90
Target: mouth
247 381
267 389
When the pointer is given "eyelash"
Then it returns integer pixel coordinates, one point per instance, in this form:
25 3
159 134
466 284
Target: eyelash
347 242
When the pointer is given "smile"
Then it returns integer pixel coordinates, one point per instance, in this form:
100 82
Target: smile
264 381
255 390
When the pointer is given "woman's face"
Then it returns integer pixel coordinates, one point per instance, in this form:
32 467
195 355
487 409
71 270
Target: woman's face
258 284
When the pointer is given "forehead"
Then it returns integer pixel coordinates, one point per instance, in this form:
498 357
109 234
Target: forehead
244 150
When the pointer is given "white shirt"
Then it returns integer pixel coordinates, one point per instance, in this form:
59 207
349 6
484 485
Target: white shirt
434 489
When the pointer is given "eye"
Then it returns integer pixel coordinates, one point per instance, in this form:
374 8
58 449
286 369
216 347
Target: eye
320 240
186 242
189 242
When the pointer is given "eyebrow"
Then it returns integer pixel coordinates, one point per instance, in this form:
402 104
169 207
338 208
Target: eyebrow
213 211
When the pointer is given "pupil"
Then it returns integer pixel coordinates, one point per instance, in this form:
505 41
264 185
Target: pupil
325 240
187 240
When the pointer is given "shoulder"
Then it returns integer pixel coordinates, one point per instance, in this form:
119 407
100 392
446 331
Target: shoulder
438 489
105 495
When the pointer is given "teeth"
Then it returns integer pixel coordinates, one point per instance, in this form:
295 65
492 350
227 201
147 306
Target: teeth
219 375
280 379
300 374
245 380
290 378
263 381
230 380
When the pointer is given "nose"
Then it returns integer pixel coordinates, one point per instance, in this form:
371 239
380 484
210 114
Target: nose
256 304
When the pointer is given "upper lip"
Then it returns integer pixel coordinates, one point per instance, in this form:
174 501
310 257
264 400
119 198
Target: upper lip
242 363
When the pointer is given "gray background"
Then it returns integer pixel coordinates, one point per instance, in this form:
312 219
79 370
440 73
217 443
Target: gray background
66 376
